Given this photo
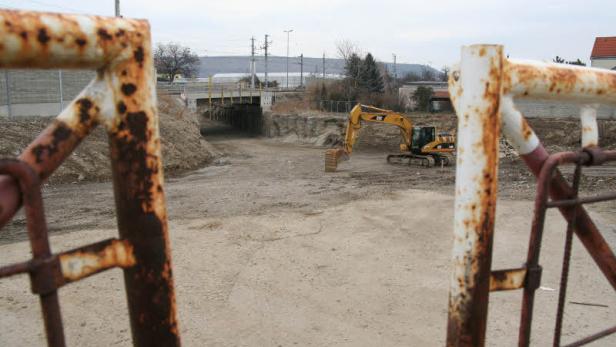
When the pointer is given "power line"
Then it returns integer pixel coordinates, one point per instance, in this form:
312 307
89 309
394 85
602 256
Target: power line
301 70
265 47
253 65
323 65
288 32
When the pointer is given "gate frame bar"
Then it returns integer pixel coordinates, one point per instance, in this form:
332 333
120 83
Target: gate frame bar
482 89
122 97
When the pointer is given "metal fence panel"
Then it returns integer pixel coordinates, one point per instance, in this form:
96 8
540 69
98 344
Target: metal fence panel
482 90
122 97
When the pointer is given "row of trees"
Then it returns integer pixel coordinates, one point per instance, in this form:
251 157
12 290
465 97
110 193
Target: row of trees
369 81
561 60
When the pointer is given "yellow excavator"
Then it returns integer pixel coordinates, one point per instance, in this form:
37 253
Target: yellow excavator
420 145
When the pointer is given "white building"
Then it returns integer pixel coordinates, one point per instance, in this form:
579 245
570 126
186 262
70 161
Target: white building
440 95
604 53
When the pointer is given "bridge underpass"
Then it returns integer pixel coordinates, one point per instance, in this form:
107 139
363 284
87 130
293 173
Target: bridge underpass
231 111
238 118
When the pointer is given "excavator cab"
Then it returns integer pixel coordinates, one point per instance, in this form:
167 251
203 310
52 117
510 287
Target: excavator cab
422 136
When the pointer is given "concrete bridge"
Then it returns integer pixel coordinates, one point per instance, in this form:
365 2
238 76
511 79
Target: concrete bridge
47 92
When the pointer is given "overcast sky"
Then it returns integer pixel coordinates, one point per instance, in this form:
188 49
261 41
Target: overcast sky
425 32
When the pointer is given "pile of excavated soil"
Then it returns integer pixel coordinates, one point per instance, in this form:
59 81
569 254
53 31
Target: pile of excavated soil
319 129
183 147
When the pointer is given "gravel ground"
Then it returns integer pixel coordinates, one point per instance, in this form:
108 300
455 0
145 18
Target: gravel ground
269 250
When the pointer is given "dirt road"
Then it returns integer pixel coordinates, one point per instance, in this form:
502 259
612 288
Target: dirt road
269 250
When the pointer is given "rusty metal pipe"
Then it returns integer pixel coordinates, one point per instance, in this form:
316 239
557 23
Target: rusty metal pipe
583 200
534 79
593 337
15 269
55 40
586 230
29 185
476 89
479 88
548 174
123 98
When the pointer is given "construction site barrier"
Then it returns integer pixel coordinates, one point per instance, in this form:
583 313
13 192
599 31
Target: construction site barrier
482 89
122 98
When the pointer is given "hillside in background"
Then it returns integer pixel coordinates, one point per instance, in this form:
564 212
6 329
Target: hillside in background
241 64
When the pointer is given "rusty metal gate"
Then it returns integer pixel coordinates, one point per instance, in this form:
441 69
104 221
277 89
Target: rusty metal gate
482 90
123 99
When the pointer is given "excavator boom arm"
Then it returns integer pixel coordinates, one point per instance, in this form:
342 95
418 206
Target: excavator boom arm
372 114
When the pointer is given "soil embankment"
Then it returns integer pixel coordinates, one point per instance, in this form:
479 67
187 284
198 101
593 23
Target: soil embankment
183 147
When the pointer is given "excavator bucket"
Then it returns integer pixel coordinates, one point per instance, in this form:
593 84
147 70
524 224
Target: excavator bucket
332 157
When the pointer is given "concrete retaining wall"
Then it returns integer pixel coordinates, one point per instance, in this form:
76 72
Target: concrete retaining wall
549 109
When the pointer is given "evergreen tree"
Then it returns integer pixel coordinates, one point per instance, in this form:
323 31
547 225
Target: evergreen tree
369 76
352 68
422 98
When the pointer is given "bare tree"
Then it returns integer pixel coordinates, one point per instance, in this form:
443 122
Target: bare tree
427 73
444 75
172 59
346 49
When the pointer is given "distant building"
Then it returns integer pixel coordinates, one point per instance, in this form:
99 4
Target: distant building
440 95
604 53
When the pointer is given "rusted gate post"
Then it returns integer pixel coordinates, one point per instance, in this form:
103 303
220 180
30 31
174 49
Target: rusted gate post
123 99
477 101
482 91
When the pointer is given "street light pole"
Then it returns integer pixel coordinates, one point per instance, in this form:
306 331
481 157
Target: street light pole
288 31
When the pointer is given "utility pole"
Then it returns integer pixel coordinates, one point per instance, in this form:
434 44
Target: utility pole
395 70
117 8
301 70
323 66
265 46
253 66
288 32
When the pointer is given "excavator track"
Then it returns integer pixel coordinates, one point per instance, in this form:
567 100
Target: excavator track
411 159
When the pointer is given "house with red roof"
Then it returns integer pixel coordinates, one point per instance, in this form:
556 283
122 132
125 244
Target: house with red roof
604 53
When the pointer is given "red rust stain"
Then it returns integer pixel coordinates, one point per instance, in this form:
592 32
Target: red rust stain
121 107
139 55
59 135
42 36
104 35
84 105
482 52
128 89
526 130
563 79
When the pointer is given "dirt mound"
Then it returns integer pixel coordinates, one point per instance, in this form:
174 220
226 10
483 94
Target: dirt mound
183 147
319 129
